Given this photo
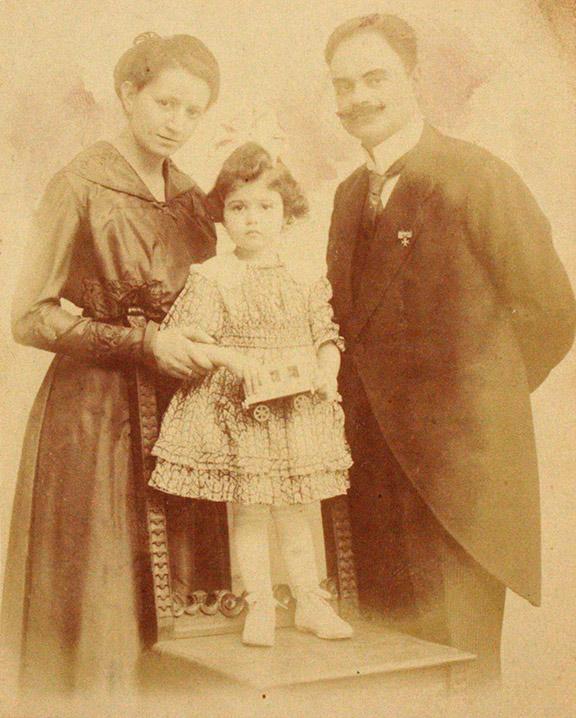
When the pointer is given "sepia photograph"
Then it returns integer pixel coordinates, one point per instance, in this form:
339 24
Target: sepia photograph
287 318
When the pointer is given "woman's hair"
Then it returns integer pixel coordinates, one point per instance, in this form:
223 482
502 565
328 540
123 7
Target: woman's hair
151 54
396 31
247 164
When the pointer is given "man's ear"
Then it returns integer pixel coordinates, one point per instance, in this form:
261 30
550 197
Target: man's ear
128 92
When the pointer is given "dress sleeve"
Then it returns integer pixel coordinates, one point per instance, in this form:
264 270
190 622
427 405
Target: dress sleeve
322 325
38 318
199 303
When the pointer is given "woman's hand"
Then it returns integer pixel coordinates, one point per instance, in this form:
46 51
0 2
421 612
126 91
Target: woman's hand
178 352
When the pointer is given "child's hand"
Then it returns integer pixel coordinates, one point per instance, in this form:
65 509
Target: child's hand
326 384
245 369
252 376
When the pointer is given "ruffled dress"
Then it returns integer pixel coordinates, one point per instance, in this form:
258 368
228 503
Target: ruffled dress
210 446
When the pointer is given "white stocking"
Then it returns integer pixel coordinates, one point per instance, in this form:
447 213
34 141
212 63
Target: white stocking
296 545
252 546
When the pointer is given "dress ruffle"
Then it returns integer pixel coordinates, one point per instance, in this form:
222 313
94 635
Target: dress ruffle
210 446
222 485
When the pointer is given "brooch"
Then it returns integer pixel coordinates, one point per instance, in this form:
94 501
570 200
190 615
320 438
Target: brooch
405 235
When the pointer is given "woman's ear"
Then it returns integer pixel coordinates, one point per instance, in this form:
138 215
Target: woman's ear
128 92
416 77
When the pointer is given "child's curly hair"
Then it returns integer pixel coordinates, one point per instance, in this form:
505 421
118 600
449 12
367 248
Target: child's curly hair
247 164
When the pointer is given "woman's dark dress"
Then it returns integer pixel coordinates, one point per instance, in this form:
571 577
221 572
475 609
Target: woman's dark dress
78 598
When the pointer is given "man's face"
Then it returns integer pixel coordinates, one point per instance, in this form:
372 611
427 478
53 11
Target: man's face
374 93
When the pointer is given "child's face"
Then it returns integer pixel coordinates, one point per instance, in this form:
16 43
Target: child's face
254 216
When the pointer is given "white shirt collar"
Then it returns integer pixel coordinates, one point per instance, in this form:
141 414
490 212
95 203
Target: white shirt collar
383 156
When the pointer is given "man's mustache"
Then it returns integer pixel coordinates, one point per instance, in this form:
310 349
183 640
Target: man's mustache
359 111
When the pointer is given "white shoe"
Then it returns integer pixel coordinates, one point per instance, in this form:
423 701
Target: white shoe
260 622
315 615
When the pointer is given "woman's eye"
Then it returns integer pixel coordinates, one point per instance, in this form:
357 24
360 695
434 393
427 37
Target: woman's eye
193 113
162 102
266 205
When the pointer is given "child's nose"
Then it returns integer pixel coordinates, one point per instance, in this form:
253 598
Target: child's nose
251 216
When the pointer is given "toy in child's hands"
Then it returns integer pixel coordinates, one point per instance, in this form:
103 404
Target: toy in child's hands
289 379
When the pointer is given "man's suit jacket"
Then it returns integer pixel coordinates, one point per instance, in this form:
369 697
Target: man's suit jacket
454 325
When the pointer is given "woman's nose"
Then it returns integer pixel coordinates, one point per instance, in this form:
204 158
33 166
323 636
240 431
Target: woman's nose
177 120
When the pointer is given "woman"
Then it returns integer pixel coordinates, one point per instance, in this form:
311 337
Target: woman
115 233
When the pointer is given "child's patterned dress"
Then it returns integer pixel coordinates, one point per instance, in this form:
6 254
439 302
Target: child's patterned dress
210 447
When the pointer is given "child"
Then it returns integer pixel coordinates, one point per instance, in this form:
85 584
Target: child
260 310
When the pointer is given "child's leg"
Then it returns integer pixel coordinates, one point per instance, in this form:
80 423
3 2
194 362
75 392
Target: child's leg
252 549
296 545
253 552
313 612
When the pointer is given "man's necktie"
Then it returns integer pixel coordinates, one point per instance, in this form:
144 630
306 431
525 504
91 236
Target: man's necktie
373 206
371 211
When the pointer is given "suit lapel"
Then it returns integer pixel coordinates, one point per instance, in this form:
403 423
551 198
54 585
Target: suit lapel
397 232
344 234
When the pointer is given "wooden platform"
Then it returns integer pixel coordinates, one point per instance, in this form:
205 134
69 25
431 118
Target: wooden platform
298 658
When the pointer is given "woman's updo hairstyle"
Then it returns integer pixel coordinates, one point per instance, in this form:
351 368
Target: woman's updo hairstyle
247 164
151 54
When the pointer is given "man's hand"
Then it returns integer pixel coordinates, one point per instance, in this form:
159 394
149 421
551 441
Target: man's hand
178 352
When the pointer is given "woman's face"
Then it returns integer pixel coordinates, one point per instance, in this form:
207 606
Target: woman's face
163 114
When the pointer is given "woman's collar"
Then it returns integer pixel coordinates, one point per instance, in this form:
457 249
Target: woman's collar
104 164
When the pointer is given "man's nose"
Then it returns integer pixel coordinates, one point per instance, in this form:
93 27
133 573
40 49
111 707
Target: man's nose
360 94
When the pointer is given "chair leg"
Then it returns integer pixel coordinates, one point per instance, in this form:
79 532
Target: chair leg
339 544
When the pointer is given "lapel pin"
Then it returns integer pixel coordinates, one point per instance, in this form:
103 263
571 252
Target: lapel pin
405 235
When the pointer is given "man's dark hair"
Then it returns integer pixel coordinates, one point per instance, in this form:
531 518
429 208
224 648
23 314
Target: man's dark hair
397 33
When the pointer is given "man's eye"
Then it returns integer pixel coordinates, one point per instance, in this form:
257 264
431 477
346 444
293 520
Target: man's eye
342 88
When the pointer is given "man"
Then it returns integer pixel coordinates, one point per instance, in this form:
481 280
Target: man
454 306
